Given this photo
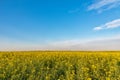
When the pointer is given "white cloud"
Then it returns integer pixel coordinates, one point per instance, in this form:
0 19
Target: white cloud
110 43
103 5
98 28
109 25
102 43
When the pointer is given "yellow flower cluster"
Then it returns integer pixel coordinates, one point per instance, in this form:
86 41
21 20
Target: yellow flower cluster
59 65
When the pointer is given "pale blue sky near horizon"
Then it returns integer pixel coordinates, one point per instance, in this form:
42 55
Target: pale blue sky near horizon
44 21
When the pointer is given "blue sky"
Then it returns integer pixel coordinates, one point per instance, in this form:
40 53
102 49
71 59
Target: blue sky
38 24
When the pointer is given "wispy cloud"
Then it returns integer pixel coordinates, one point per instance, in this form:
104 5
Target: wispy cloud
110 43
109 25
103 5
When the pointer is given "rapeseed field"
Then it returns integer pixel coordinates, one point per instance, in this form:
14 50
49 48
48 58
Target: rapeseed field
59 65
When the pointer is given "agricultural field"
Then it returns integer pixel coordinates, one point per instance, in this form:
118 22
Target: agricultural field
59 65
